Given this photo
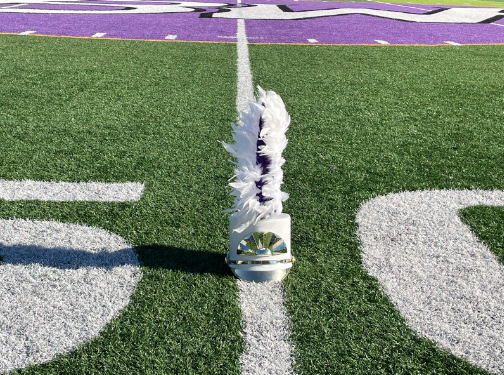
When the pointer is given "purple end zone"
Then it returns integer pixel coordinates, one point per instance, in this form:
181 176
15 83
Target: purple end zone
266 21
365 29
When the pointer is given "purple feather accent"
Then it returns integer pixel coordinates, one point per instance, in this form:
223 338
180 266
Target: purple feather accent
263 161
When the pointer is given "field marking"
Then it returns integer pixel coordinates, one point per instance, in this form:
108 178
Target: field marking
235 37
27 32
171 37
244 83
162 8
265 323
312 40
98 35
53 273
497 24
266 329
440 16
381 41
11 6
70 191
60 284
447 284
374 9
452 43
256 43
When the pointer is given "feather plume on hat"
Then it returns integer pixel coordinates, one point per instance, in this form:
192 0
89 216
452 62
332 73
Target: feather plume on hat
258 148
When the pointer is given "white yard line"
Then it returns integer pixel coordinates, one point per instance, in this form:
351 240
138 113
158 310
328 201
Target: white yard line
264 319
244 84
70 191
266 330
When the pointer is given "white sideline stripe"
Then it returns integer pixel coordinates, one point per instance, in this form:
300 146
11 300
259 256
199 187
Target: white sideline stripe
452 43
313 40
497 24
98 35
171 37
27 32
267 349
381 41
70 191
266 330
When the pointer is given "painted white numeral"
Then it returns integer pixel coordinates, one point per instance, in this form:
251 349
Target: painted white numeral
446 283
60 283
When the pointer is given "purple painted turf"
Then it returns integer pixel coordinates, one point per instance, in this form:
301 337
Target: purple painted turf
347 29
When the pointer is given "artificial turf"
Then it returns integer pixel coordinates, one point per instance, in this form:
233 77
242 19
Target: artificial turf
365 122
488 225
117 111
368 122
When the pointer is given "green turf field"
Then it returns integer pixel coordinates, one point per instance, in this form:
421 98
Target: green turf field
365 122
487 223
377 121
77 110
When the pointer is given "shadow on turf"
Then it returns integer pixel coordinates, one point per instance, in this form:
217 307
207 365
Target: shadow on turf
177 259
63 258
153 256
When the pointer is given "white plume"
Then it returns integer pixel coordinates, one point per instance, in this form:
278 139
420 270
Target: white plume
258 148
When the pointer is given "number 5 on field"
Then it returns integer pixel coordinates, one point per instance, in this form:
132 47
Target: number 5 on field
60 283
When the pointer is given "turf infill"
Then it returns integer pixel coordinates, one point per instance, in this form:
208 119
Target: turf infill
368 122
123 111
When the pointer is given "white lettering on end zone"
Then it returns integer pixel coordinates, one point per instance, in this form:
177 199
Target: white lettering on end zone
454 15
444 15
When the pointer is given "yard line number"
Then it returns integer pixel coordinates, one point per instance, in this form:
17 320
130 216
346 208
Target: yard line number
447 285
60 283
